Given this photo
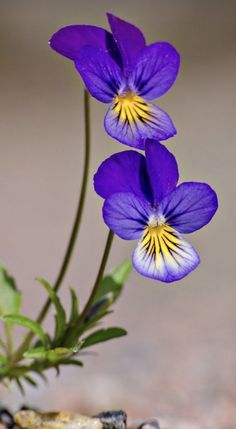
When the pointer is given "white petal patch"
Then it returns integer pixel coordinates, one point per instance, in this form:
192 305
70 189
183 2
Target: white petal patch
162 254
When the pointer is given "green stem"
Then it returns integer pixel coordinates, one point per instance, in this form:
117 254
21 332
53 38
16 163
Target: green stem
74 233
9 344
72 333
99 276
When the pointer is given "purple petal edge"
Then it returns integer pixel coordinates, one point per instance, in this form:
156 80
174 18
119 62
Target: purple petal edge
162 169
123 172
70 39
166 270
100 73
190 206
160 128
155 71
126 215
130 40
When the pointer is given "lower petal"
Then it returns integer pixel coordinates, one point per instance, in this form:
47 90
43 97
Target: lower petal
162 254
131 120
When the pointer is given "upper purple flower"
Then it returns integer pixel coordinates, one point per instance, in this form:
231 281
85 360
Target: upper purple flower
143 201
119 68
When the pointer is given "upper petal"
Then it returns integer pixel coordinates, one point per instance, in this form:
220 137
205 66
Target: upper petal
69 40
131 120
155 70
162 169
126 215
130 40
189 207
100 73
123 172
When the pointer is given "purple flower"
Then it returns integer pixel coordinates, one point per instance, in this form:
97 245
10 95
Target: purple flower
143 201
120 69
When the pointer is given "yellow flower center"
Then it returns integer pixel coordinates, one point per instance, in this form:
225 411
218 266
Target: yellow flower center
131 108
159 240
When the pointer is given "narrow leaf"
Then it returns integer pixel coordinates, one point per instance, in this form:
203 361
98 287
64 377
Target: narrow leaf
74 308
53 355
30 380
121 272
103 335
100 307
58 353
10 298
60 312
39 353
71 362
94 321
26 322
113 283
57 369
20 386
42 376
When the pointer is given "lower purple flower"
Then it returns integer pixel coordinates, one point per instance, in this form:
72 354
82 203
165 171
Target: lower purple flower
144 203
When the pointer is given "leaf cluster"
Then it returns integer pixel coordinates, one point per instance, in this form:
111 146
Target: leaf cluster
73 332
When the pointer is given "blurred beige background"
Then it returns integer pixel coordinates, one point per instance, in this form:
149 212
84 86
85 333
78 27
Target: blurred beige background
180 356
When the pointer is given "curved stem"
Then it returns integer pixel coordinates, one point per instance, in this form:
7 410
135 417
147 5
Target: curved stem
72 333
79 212
99 276
74 233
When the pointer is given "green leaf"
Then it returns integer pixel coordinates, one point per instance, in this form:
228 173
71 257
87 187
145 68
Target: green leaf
53 355
4 370
109 290
94 320
26 322
103 335
74 308
57 369
71 362
20 386
30 380
36 353
58 353
98 309
10 298
112 284
42 376
60 312
3 359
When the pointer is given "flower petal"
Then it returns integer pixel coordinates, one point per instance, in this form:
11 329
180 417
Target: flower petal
123 172
130 40
69 40
131 120
162 169
126 215
155 71
189 207
162 254
100 73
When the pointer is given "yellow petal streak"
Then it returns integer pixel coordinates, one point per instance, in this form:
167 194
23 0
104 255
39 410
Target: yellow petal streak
163 254
132 109
161 242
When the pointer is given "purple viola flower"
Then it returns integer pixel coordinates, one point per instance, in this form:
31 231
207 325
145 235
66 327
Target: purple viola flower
143 201
119 68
